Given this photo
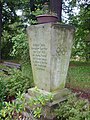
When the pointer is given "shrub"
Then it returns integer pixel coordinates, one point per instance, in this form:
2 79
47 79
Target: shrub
14 110
73 109
21 52
11 111
7 44
16 82
21 47
2 89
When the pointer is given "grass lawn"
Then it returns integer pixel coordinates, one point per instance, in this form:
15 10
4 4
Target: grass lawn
79 76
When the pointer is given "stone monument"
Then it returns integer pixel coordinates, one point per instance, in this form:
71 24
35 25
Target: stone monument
50 49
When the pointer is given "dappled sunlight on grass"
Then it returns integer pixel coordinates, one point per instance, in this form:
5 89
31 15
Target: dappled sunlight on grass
79 75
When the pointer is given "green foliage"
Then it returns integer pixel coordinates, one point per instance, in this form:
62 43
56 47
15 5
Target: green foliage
82 35
21 52
8 18
38 102
2 89
20 47
27 70
17 82
12 23
38 12
29 11
73 109
7 44
10 85
2 84
81 73
78 75
12 110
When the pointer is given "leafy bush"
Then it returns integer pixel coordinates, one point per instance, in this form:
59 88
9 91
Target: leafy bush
2 89
17 82
11 111
73 109
7 44
8 33
38 102
21 47
14 110
21 52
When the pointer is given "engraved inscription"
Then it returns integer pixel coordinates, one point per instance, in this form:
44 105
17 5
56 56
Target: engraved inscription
39 56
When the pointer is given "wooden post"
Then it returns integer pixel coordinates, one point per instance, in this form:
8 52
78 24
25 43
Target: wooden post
56 6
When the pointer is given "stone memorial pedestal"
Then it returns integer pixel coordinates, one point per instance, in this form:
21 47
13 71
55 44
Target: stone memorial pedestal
50 49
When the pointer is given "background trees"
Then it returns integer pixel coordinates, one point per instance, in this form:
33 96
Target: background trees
82 36
11 23
8 17
0 26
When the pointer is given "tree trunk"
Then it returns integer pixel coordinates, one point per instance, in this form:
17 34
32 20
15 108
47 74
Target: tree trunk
0 26
56 6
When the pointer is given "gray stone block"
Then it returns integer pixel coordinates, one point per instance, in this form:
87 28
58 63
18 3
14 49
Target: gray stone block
50 49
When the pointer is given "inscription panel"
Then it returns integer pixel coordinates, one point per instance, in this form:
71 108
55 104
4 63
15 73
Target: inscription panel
39 55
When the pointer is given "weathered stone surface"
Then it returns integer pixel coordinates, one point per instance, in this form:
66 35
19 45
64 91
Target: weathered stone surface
58 96
37 92
50 49
47 110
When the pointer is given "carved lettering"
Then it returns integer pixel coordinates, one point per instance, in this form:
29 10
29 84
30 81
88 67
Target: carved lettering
39 56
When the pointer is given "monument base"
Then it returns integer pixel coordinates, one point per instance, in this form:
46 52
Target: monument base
48 110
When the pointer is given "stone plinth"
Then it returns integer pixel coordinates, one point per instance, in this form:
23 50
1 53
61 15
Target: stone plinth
47 109
50 49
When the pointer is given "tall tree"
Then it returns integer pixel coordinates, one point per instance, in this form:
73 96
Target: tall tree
8 18
10 23
0 26
81 21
